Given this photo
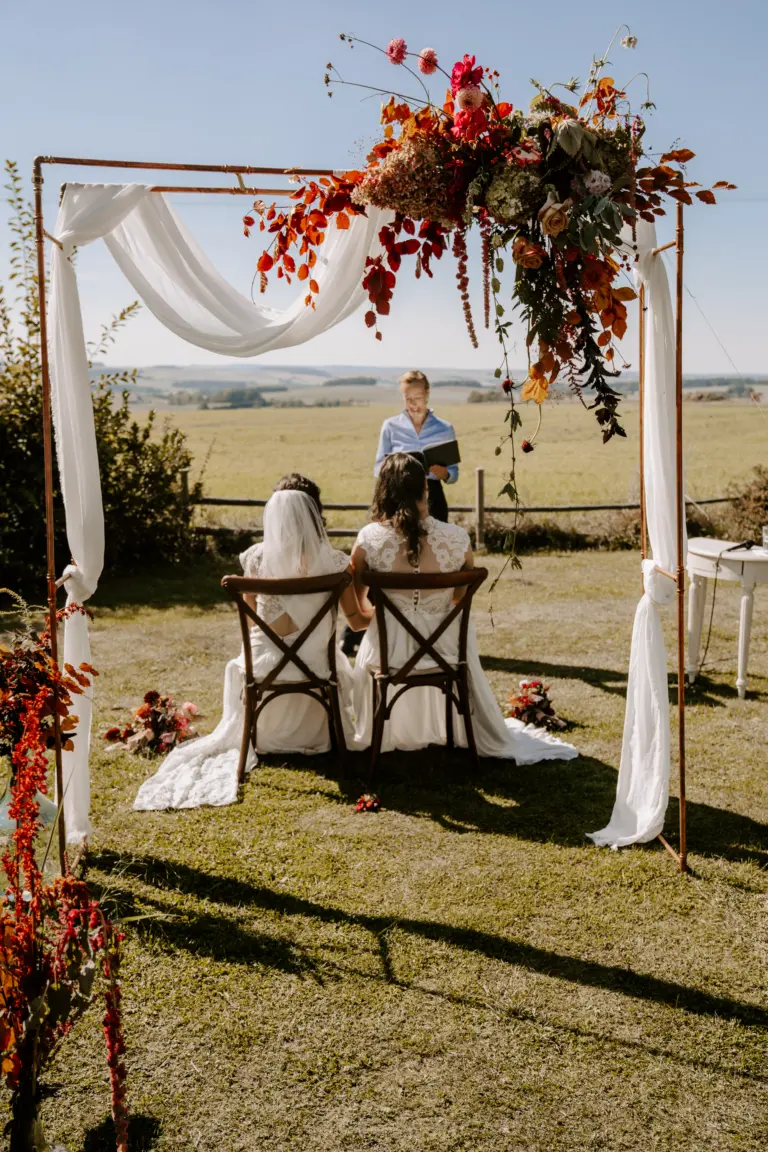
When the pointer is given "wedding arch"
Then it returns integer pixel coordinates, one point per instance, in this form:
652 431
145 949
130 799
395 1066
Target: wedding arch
184 291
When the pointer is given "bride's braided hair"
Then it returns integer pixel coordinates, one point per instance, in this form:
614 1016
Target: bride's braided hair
399 490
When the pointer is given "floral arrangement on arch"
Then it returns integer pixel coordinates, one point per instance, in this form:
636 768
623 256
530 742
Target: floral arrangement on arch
532 705
550 189
55 939
157 725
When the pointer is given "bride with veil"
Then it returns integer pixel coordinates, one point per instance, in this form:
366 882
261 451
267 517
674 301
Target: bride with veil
204 771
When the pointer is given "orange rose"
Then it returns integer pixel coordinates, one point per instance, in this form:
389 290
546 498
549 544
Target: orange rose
554 216
527 254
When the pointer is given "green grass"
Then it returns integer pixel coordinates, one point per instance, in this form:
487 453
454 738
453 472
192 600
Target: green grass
462 971
249 449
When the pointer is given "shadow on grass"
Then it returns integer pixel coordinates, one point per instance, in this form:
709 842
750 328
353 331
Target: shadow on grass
197 584
608 679
704 690
549 802
237 945
143 1133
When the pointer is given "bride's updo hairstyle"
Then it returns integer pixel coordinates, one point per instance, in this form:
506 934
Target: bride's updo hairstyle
296 482
400 488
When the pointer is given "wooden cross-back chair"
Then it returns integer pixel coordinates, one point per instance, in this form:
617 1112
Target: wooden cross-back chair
259 693
452 680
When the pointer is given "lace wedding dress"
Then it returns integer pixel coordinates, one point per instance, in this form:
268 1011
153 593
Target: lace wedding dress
204 771
418 717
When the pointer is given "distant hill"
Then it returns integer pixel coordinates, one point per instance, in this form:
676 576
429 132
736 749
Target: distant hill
350 382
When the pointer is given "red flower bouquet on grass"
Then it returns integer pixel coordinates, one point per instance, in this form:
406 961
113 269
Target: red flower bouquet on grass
54 938
532 705
157 725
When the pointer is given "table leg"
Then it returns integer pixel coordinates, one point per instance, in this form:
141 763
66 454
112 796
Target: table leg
697 595
745 628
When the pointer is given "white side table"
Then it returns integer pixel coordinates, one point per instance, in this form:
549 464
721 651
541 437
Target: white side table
747 565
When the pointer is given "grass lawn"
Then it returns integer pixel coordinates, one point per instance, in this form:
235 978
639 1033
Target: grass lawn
248 449
462 971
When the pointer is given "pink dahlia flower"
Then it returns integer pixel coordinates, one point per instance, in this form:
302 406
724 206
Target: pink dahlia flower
189 708
397 50
469 98
427 61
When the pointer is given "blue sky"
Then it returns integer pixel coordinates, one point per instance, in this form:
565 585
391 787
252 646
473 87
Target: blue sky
236 82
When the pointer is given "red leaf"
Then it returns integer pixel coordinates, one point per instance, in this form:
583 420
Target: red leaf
378 335
289 263
265 262
313 286
248 221
407 247
342 220
706 196
303 271
409 226
370 318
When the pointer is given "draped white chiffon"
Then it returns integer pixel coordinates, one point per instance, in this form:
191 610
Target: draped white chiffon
177 282
642 790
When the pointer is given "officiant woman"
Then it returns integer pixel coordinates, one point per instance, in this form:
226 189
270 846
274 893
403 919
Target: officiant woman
414 429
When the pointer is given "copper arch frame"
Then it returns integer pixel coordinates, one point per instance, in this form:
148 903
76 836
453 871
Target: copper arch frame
240 188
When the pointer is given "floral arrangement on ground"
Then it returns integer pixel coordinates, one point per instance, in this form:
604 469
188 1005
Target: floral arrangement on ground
157 725
532 705
54 936
553 188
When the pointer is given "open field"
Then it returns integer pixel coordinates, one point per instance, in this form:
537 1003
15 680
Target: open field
462 972
250 448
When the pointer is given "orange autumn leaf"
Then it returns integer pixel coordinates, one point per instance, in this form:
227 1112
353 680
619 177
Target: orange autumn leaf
625 294
342 220
535 388
303 271
314 286
678 156
265 262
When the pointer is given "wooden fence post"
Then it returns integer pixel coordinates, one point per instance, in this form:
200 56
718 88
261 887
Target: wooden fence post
479 507
184 474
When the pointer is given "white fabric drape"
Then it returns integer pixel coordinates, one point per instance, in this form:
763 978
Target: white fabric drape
642 790
181 287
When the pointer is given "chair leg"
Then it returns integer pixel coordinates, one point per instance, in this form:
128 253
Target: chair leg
449 740
335 722
245 743
379 720
466 709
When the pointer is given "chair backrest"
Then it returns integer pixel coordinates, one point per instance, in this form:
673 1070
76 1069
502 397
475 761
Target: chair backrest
384 582
239 586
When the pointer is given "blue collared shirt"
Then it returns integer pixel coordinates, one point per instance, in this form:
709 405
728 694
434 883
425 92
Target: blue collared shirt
399 435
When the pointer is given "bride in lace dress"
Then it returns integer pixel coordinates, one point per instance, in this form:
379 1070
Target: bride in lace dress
403 538
204 771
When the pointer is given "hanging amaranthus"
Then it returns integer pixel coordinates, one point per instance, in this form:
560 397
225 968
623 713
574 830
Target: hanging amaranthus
462 279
